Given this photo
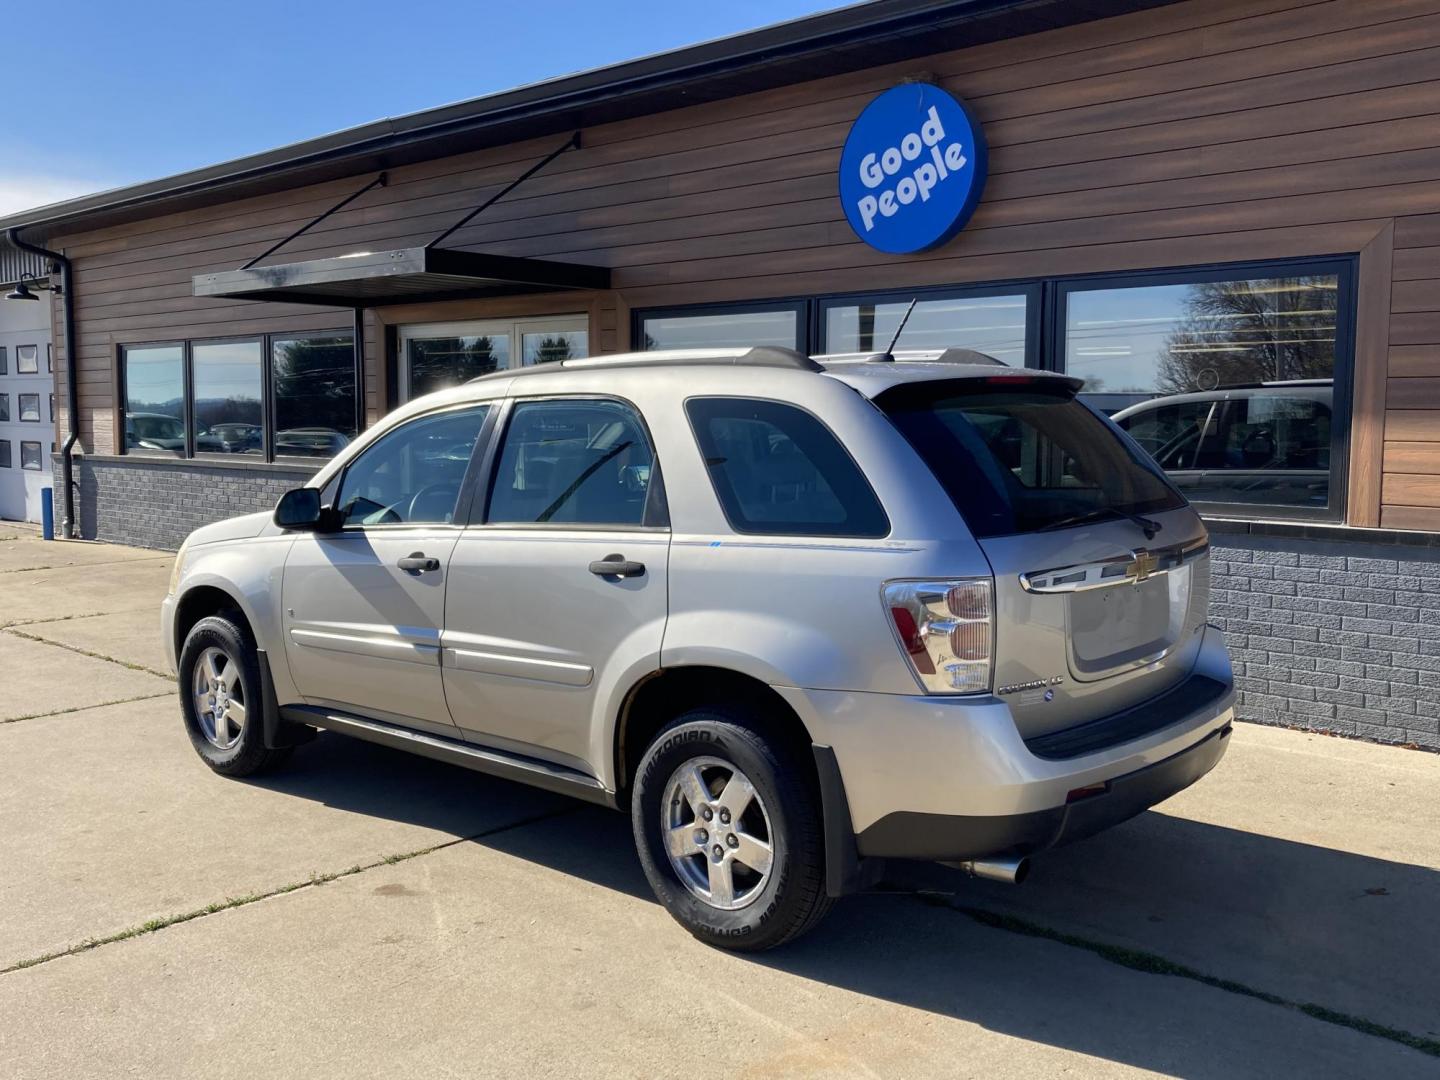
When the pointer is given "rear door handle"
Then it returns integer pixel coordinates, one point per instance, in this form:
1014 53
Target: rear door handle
417 562
617 566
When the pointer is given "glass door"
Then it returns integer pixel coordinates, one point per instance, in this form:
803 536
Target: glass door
434 356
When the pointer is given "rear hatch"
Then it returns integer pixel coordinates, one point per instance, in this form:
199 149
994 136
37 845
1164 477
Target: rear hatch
1101 568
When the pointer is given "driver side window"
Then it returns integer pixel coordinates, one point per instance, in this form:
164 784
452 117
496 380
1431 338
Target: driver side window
413 474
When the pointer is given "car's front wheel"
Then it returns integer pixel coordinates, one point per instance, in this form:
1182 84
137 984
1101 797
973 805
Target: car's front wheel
728 830
219 674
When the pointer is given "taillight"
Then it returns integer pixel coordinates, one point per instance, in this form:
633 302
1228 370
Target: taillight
946 630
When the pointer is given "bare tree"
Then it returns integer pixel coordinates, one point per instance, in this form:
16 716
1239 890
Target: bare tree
1251 331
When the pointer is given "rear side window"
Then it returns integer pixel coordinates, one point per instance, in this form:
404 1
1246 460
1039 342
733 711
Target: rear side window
779 471
1024 457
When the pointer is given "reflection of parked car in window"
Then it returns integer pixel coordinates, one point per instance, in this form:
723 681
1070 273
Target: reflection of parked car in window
1266 443
310 442
154 431
229 439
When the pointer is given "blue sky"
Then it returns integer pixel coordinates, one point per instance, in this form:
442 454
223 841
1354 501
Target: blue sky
150 88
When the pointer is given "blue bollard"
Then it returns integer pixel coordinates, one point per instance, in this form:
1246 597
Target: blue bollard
47 513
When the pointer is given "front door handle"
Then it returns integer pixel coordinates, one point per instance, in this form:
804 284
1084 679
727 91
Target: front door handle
417 562
616 566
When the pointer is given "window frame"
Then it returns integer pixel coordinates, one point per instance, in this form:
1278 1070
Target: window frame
190 432
656 503
1345 270
1045 342
464 501
4 360
39 465
826 428
267 395
1032 289
802 307
6 461
5 407
20 416
20 352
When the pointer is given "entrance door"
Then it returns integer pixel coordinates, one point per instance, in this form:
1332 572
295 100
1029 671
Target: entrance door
436 355
543 614
364 605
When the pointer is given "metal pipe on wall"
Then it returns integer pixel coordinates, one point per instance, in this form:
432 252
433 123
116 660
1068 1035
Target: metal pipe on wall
69 527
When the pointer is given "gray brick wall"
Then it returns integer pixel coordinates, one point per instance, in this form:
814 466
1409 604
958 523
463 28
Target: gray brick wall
1338 636
155 503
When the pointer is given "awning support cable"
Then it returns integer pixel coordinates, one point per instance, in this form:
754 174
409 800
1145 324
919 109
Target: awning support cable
572 143
379 181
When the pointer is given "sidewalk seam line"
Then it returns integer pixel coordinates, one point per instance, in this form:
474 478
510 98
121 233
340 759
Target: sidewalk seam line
82 708
1155 964
85 652
151 926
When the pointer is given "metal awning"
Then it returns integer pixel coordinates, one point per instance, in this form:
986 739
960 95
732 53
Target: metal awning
401 276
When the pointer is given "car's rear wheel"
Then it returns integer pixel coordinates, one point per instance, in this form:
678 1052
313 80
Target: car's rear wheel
728 830
219 673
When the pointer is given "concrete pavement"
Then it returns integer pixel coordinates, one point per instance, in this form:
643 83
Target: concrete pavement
365 912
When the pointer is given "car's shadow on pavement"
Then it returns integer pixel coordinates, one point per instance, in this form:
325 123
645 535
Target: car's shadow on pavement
1308 924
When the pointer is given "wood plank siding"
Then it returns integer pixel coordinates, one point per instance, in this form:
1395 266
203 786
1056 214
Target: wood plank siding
1202 132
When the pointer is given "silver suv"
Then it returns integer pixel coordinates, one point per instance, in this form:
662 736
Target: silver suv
796 615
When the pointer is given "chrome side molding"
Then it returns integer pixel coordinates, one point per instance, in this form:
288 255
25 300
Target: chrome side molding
1131 568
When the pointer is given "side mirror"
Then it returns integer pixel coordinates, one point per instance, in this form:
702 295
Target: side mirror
299 508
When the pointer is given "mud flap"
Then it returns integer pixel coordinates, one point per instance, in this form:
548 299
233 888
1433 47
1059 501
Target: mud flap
845 871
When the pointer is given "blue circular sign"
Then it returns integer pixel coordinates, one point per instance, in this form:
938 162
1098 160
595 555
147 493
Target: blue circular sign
912 169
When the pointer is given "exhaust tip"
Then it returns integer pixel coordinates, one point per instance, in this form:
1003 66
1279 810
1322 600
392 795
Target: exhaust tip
1009 870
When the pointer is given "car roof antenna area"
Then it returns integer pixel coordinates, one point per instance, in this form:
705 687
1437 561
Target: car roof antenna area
889 353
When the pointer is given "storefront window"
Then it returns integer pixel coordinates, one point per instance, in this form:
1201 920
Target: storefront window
227 416
154 399
220 387
994 325
438 362
726 328
547 347
313 383
1228 382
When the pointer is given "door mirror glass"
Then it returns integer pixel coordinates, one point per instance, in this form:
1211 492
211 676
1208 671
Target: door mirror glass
298 509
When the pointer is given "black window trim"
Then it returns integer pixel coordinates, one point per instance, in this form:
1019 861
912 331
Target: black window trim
725 510
37 370
267 397
656 504
5 399
6 462
1343 267
39 417
1045 348
39 445
463 502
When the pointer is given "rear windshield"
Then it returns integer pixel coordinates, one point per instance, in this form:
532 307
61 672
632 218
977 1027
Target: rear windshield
1019 458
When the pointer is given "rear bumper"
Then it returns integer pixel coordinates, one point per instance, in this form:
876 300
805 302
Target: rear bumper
946 837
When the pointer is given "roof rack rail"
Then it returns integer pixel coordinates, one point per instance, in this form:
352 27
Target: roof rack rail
758 356
915 356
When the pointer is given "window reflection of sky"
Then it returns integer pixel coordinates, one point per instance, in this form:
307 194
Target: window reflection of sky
992 324
1119 337
227 369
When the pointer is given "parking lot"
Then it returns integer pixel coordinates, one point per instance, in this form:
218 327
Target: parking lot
364 912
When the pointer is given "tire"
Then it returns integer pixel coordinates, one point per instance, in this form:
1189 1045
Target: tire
709 746
221 645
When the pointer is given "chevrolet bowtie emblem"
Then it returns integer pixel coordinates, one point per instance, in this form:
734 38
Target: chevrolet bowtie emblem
1141 565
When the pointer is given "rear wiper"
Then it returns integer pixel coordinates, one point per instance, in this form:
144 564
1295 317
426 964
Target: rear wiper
1147 525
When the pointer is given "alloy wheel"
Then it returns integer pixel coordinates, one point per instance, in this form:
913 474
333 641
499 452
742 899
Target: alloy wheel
717 833
220 700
